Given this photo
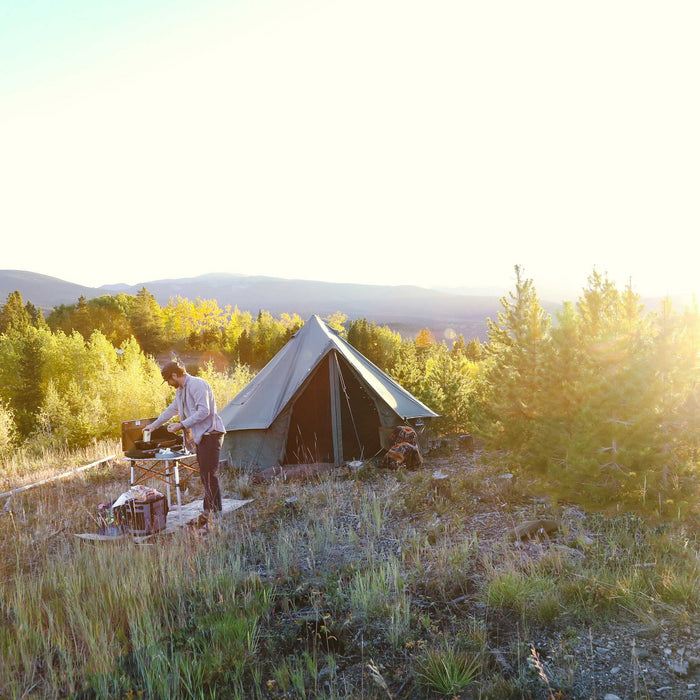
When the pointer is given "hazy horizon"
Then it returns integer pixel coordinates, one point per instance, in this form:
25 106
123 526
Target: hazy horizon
376 142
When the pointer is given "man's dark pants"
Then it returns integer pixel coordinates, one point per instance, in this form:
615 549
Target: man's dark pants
208 458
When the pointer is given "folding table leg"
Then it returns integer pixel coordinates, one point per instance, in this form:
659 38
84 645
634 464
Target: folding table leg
168 477
177 488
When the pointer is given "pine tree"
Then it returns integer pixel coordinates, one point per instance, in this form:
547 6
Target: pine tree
358 335
14 314
475 350
245 349
518 348
81 320
447 384
603 396
30 393
146 321
407 369
268 336
676 351
33 313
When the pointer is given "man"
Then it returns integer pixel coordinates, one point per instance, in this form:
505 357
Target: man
202 426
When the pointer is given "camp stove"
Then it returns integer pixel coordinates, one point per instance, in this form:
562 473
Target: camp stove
134 444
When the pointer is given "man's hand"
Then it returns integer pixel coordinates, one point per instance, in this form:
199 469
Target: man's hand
174 427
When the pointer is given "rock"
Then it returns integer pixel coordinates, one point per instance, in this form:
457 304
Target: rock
571 515
569 552
531 528
500 659
680 668
611 696
581 542
648 631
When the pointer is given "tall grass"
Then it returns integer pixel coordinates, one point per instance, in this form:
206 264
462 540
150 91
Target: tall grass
379 597
129 618
317 590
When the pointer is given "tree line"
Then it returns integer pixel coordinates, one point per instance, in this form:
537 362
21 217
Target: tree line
599 403
111 346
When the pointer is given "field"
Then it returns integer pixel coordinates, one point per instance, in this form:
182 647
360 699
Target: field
357 584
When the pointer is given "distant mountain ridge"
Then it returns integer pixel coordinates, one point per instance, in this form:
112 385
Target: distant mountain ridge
43 291
406 309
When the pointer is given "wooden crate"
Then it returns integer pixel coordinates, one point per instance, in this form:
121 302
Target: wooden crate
143 517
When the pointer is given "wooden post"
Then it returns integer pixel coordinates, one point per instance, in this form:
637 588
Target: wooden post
441 486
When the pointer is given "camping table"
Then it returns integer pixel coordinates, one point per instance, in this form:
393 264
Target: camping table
167 470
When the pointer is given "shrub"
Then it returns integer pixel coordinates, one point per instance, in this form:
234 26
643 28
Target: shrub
8 431
447 672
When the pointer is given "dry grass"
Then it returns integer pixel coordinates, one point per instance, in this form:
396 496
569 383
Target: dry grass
23 467
348 586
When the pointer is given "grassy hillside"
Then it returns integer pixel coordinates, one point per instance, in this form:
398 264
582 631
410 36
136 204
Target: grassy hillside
358 584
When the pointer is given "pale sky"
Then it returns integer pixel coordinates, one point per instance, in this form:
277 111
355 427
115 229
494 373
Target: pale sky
373 141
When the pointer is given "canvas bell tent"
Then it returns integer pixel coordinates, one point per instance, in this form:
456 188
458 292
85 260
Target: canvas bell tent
317 400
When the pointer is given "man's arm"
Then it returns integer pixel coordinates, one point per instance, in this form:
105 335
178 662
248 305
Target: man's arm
164 417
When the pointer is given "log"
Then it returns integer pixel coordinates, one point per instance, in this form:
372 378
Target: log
55 478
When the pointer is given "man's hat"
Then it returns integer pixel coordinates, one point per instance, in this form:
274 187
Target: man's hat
170 369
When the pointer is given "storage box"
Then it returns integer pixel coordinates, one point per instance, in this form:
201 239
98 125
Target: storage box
143 517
